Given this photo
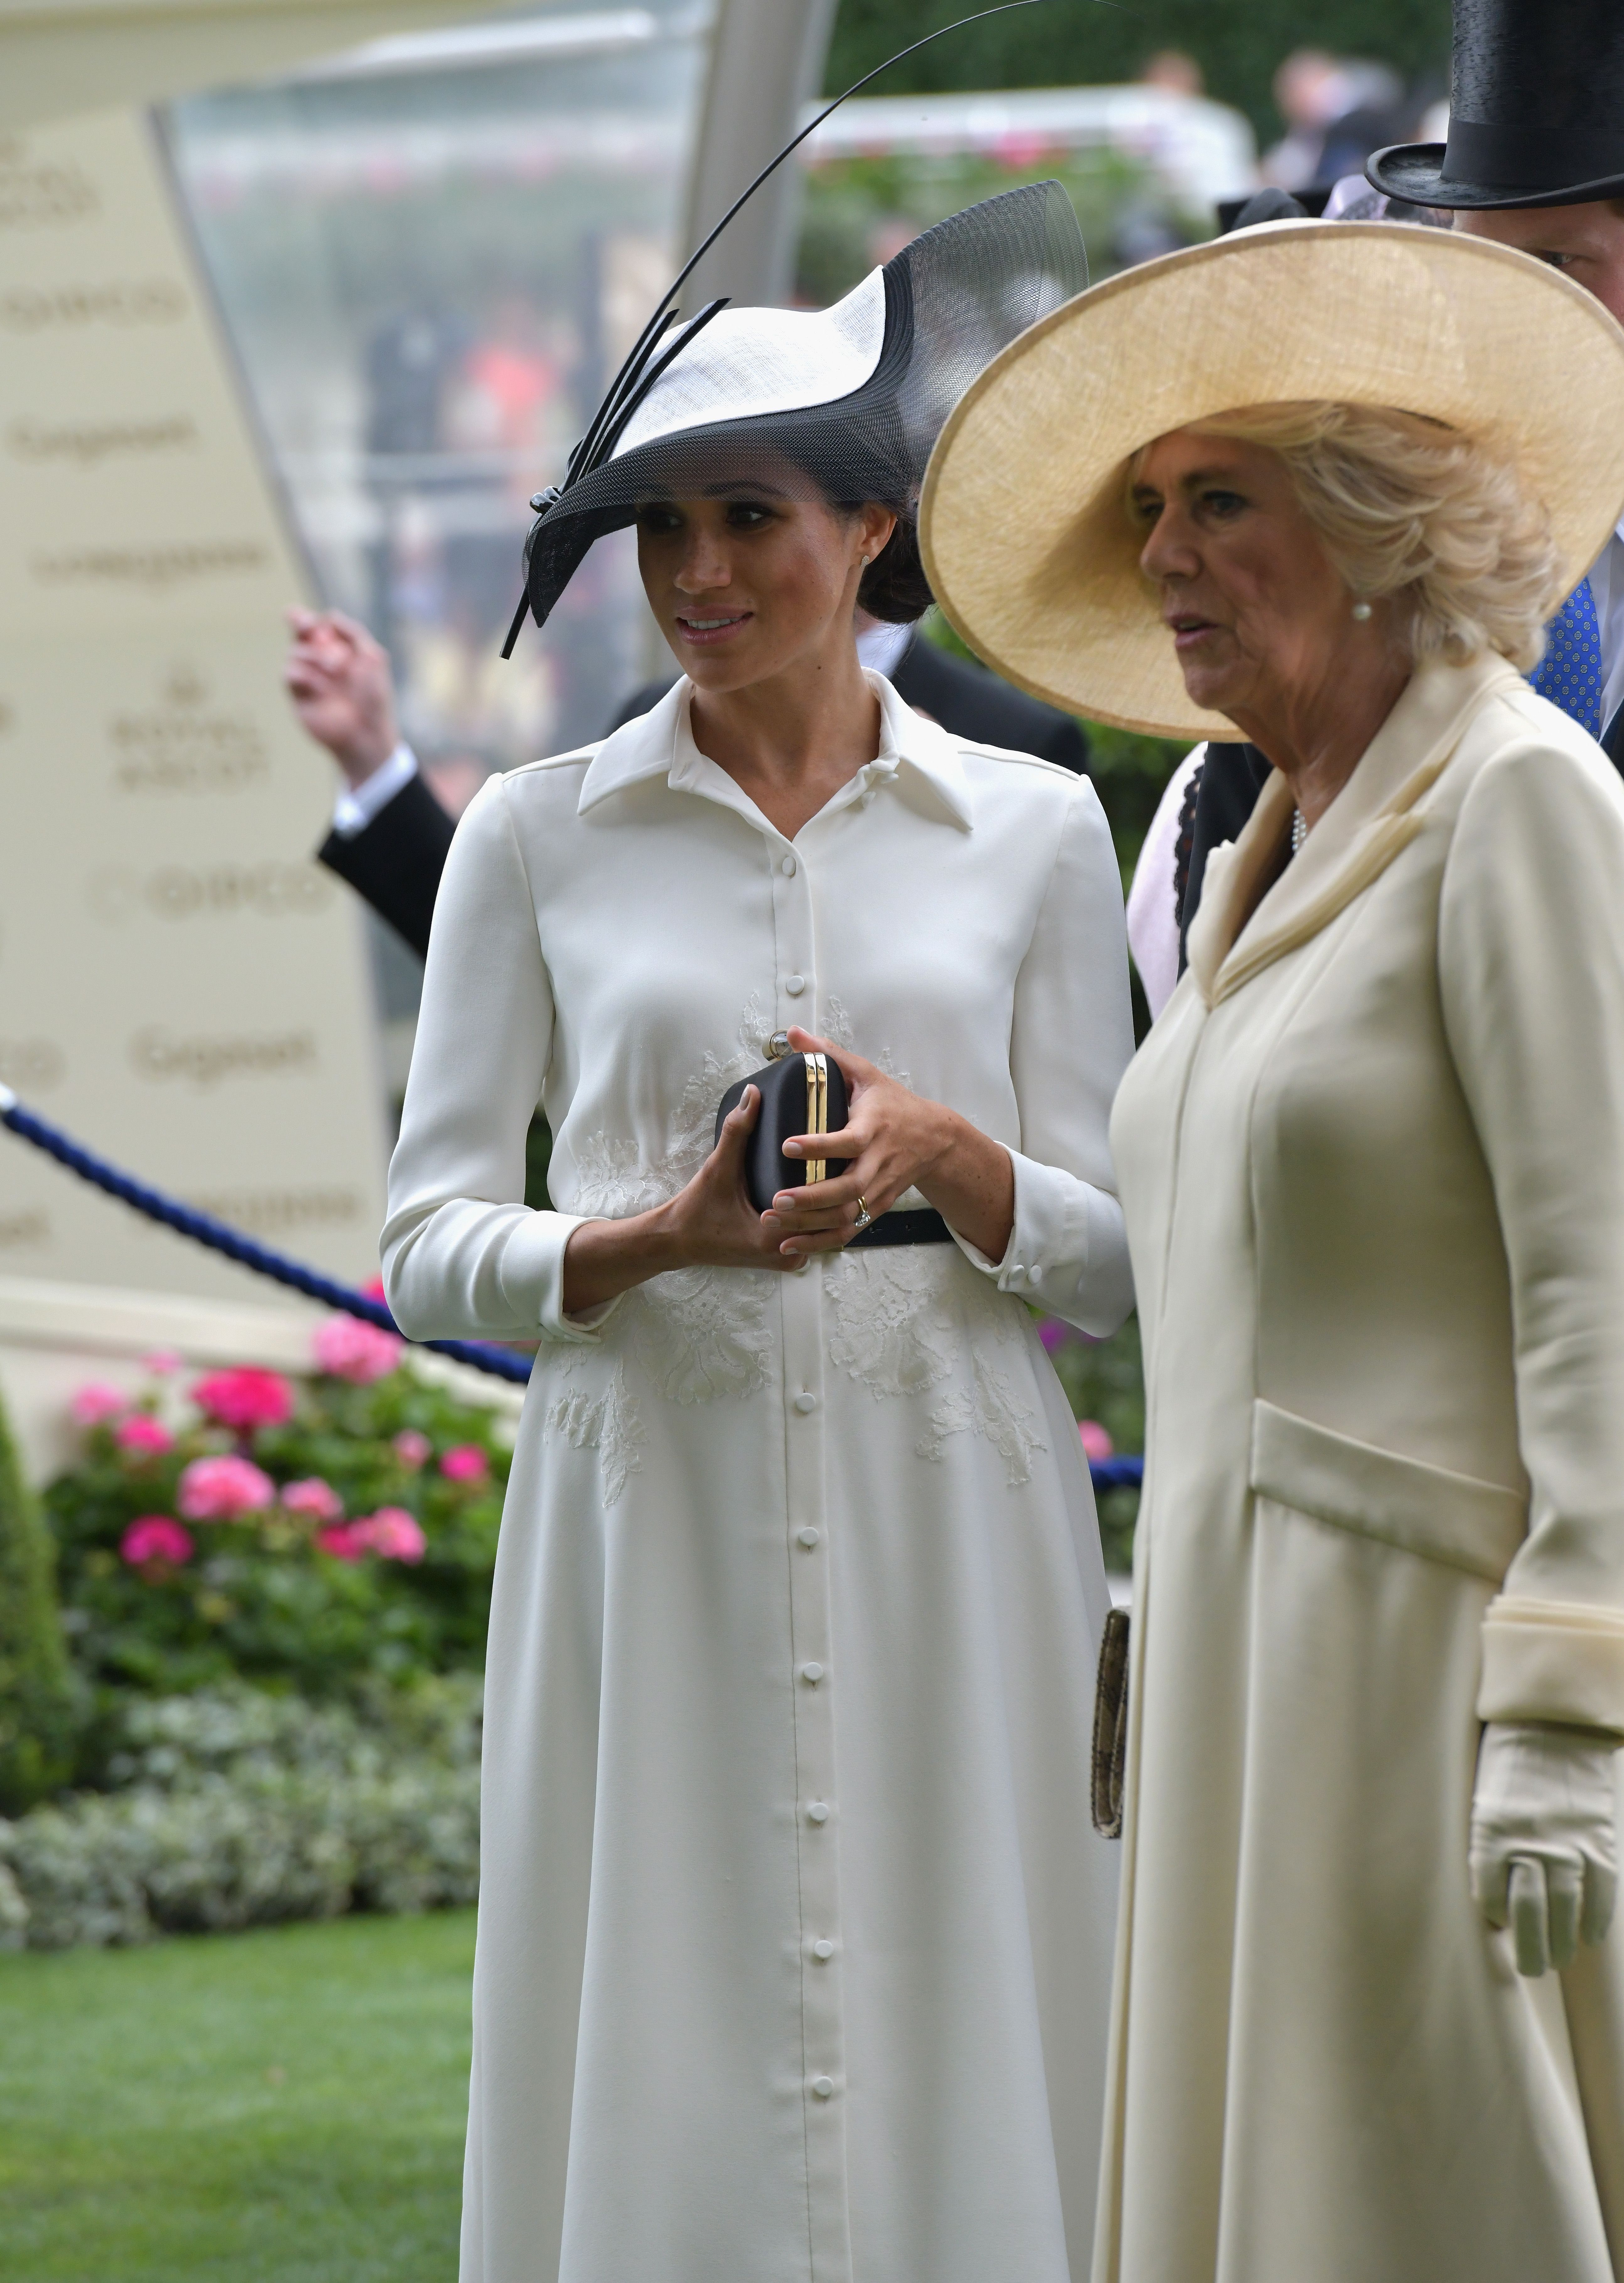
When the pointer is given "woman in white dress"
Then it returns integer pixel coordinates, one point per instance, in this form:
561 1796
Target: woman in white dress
794 1936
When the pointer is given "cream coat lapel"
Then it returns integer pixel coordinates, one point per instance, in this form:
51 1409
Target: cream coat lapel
1370 820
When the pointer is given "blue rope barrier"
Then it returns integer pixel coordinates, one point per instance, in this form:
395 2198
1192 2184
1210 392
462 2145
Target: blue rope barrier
1109 1474
204 1229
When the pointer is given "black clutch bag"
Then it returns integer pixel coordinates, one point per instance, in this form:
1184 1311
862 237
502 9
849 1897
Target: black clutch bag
800 1093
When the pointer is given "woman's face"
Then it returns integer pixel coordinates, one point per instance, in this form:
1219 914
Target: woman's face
747 582
1260 619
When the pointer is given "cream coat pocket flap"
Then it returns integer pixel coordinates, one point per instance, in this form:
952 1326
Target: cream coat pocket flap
1406 1503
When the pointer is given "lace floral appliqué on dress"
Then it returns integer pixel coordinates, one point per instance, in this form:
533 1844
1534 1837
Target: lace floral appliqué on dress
695 1335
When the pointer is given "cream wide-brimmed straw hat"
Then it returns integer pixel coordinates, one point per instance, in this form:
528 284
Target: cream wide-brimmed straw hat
1024 520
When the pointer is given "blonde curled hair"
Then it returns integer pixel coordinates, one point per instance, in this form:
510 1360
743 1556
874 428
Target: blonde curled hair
1417 514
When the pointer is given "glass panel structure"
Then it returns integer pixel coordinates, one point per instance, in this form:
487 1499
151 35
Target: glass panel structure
428 256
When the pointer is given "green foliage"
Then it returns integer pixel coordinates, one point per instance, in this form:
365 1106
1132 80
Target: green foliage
1104 1380
234 1808
38 1700
857 211
259 1598
1094 43
282 2107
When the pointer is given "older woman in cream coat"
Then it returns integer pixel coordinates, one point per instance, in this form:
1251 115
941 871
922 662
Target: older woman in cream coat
1370 1993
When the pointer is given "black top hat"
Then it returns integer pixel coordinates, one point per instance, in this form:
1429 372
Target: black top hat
1536 110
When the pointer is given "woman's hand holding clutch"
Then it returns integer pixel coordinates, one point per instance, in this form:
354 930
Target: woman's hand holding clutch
711 1223
894 1141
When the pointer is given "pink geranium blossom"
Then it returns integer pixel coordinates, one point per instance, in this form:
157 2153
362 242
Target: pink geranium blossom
95 1401
1053 1333
317 1500
348 1349
163 1362
394 1533
220 1490
141 1433
155 1537
412 1446
466 1462
245 1399
1095 1442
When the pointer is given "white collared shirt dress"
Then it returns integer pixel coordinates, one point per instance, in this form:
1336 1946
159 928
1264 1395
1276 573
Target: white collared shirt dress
794 1939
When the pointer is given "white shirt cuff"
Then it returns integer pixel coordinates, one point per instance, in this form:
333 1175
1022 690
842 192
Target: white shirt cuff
357 805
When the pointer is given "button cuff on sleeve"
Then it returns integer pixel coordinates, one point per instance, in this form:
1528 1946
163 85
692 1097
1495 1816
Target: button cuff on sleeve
532 1278
1067 1245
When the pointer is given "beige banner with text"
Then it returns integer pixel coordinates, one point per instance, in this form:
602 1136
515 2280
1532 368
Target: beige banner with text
181 986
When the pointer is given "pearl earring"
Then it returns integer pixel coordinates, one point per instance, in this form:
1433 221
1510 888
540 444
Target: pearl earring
1362 612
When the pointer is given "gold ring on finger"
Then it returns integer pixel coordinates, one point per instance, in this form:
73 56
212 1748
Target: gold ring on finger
863 1214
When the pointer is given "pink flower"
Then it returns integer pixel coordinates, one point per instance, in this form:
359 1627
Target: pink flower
1095 1442
1053 1332
245 1399
163 1362
155 1537
393 1534
143 1434
342 1540
316 1499
412 1447
95 1401
220 1490
347 1349
466 1462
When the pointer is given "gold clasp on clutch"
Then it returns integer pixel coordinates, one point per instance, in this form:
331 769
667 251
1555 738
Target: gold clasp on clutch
817 1111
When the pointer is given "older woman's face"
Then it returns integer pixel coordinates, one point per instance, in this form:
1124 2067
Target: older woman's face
1258 614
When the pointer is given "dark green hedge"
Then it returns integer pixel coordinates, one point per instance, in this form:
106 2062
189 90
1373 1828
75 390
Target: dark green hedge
38 1694
1088 44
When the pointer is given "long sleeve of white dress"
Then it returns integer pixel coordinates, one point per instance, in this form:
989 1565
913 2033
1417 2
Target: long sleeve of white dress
463 1257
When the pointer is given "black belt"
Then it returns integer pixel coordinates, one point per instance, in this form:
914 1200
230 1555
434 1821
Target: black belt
924 1226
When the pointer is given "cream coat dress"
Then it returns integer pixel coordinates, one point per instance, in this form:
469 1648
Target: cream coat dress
1372 1163
793 1950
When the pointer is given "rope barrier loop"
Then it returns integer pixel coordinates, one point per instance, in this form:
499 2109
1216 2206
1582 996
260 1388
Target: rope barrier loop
216 1236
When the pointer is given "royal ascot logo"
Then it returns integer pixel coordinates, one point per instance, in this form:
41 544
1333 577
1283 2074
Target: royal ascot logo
154 568
31 1065
84 445
158 1056
30 1227
41 194
121 302
182 746
273 1212
119 893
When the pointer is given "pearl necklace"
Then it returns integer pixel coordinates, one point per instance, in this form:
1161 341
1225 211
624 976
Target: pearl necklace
1299 831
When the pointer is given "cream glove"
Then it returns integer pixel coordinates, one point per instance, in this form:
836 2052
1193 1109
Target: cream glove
1544 1851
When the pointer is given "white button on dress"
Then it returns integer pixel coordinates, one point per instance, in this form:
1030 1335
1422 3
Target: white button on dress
795 984
683 1542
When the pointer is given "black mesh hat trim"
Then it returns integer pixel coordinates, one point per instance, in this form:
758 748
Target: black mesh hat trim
953 298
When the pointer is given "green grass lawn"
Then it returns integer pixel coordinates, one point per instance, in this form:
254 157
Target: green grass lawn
282 2107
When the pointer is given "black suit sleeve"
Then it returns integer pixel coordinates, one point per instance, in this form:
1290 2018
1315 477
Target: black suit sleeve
395 861
1612 740
1231 780
975 704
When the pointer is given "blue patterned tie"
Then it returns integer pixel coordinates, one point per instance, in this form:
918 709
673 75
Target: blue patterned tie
1570 673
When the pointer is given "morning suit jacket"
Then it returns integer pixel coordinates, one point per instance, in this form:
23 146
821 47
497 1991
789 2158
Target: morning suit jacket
395 861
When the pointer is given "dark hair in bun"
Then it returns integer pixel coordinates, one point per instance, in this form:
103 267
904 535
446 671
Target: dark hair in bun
894 587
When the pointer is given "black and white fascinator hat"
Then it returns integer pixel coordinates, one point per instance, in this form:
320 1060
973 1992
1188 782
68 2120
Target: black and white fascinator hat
843 403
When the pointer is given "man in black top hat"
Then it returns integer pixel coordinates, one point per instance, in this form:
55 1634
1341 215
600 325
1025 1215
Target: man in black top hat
1535 158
